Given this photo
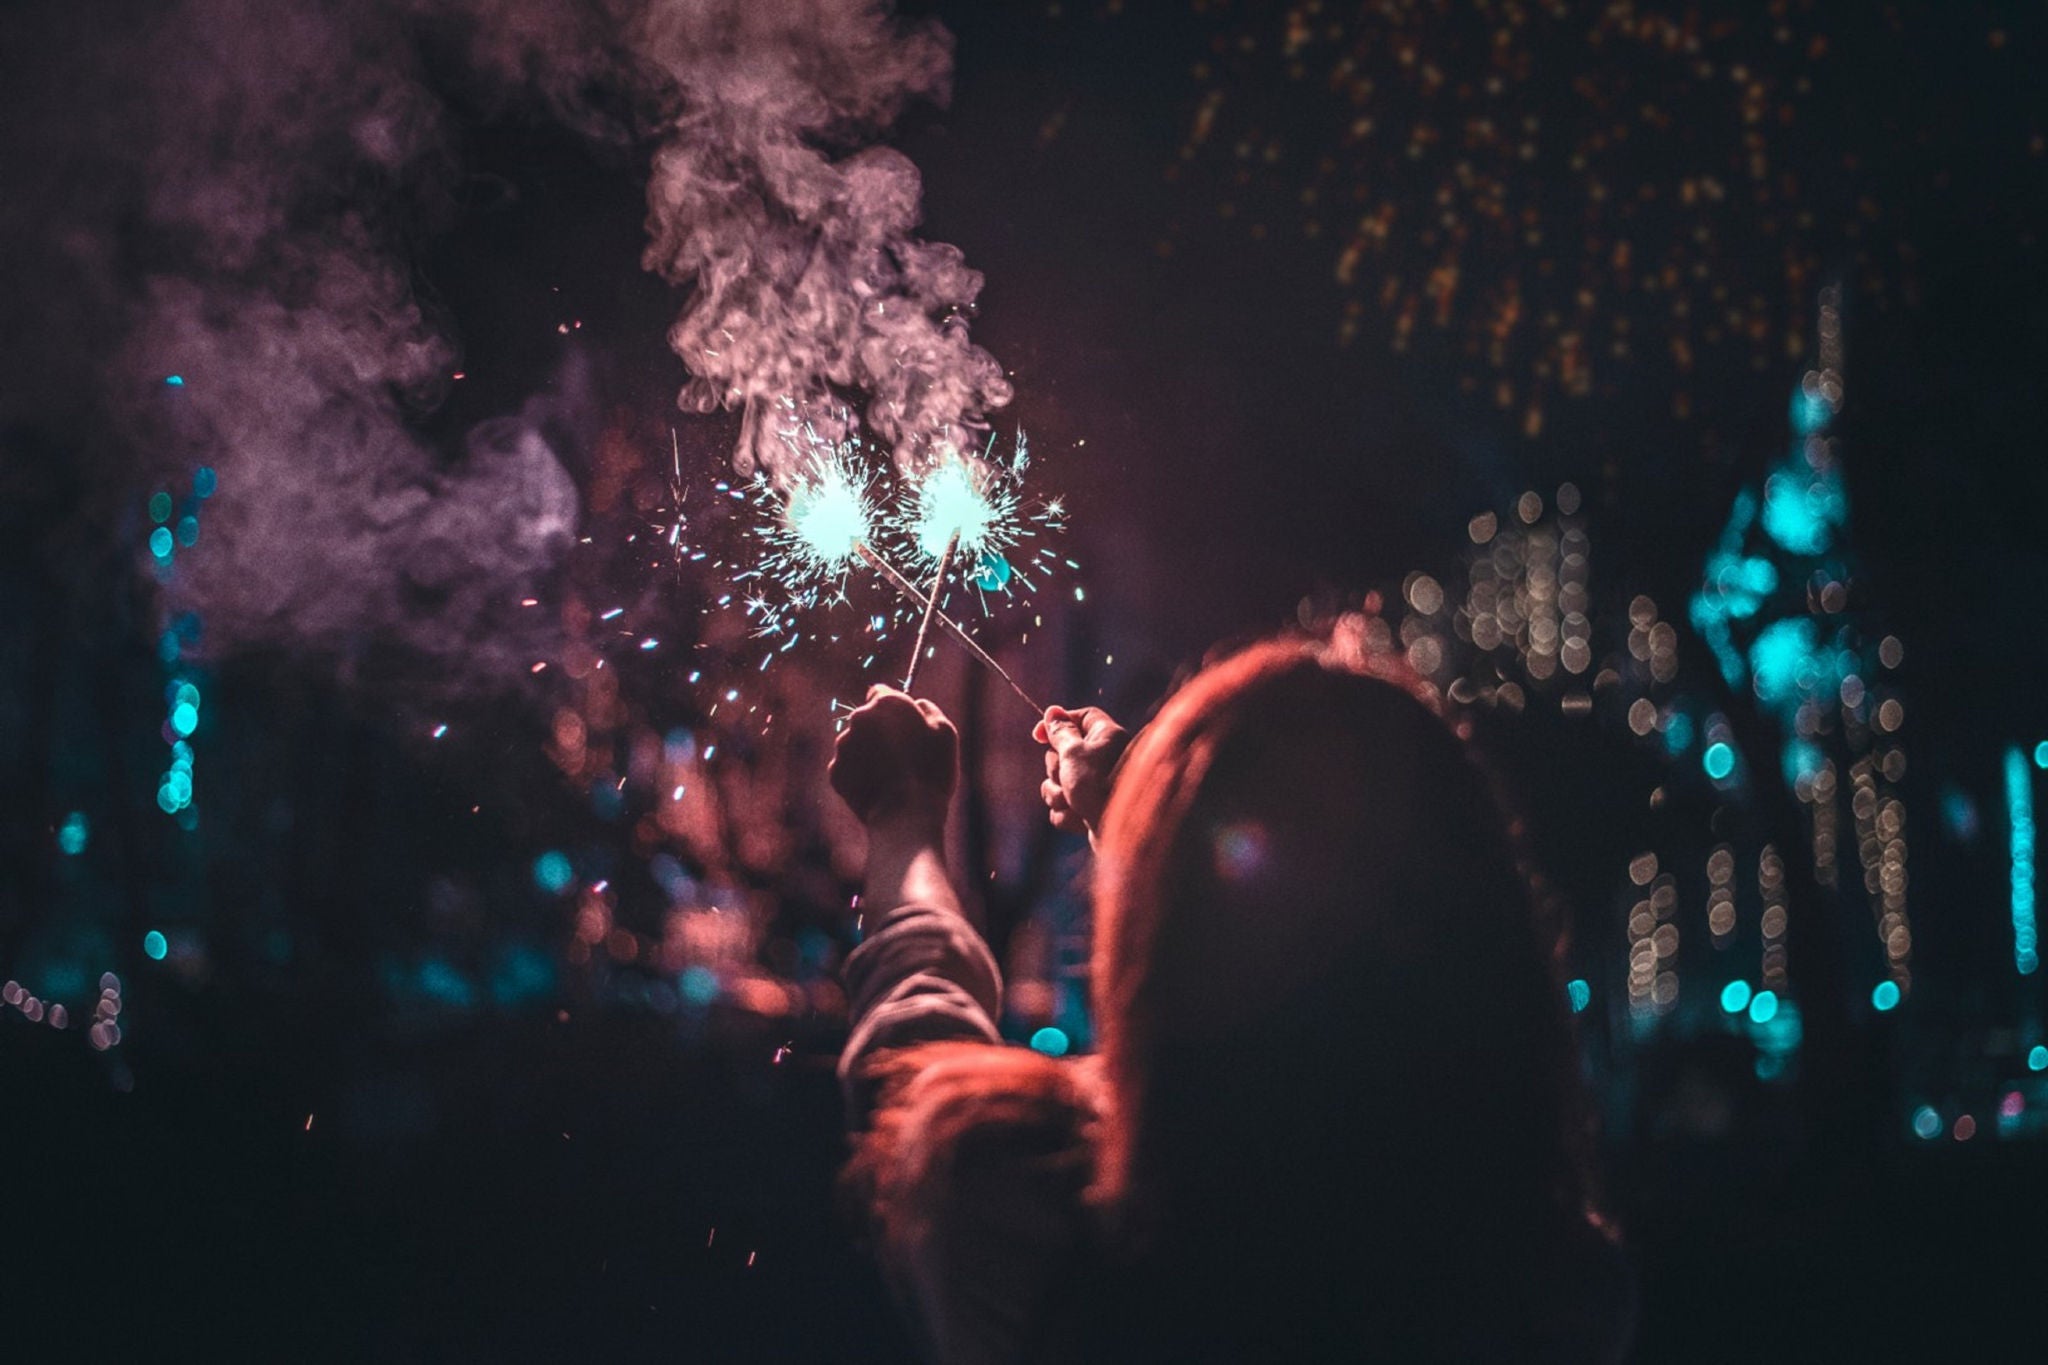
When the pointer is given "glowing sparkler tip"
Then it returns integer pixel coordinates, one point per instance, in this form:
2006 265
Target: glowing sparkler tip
952 501
829 514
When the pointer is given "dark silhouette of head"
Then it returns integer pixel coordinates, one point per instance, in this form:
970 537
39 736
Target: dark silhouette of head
1339 1071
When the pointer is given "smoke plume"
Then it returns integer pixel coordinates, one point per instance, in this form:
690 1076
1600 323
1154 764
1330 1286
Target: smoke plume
236 191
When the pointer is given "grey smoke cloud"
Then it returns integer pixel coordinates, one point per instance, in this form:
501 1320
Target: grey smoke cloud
807 270
231 188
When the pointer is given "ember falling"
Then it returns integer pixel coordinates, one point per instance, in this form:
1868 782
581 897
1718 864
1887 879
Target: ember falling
449 446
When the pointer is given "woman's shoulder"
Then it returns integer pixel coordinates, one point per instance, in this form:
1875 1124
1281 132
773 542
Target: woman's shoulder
973 1180
954 1114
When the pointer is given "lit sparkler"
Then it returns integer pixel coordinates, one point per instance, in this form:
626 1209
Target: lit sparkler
958 504
977 506
829 517
812 534
826 522
965 522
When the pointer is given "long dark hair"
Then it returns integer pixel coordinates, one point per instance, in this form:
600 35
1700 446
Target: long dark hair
1334 1039
1337 1093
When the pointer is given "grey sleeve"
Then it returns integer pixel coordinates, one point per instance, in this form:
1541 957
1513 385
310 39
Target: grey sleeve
923 975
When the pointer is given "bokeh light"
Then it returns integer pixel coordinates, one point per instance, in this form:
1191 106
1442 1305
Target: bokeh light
552 872
73 834
1050 1041
2019 804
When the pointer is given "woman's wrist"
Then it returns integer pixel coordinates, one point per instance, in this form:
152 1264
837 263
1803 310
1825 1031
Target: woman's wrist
907 863
906 830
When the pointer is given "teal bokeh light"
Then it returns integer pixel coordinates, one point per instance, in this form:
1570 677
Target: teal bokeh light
522 976
2019 807
1811 411
441 982
1763 1007
1735 997
1802 761
700 985
1718 760
1785 659
155 945
1051 1041
1579 993
73 834
1885 996
552 872
1802 507
992 573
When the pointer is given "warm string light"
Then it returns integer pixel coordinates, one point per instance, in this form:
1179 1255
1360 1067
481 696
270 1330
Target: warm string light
1642 951
1653 942
1548 250
1721 895
1822 798
1778 610
1770 888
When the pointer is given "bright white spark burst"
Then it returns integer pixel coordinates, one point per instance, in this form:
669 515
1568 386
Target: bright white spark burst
957 500
808 530
981 501
829 517
811 535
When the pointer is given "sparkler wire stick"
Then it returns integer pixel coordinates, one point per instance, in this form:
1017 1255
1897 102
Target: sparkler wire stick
909 590
931 605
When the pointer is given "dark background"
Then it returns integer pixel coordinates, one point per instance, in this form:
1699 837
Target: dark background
292 1157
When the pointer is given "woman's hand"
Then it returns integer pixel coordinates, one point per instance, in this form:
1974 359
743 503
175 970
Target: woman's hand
1082 751
896 762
